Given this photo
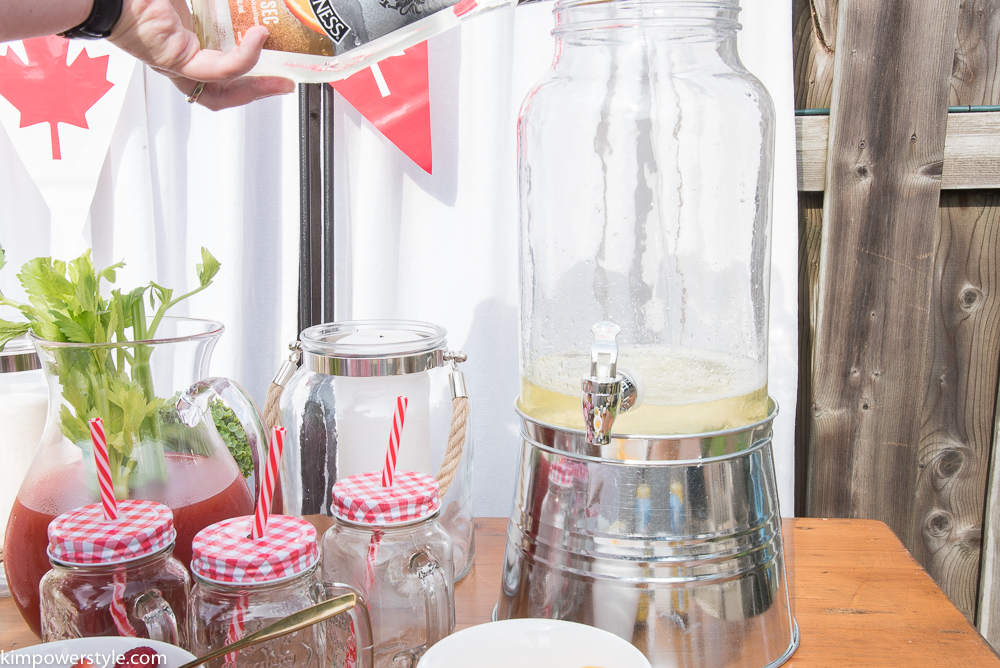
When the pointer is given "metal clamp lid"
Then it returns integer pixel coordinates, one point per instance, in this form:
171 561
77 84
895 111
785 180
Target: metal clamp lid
19 355
368 348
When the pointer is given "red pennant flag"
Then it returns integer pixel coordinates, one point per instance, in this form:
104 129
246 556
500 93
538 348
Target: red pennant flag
393 95
47 90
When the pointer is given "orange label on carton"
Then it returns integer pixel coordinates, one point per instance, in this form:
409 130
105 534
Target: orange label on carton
328 27
290 23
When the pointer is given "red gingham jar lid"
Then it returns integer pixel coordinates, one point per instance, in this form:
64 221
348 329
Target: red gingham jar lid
561 473
565 471
362 499
225 554
82 536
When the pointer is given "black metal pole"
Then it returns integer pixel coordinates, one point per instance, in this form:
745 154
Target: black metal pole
328 238
311 196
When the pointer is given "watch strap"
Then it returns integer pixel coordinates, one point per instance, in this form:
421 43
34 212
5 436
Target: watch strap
103 17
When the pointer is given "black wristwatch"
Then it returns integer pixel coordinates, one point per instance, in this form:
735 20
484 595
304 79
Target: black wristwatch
99 24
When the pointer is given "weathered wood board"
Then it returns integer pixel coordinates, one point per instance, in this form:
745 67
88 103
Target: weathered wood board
942 375
971 151
814 25
975 79
887 128
810 231
956 434
813 40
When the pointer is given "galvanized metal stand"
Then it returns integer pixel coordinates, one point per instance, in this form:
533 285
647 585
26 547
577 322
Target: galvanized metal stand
316 242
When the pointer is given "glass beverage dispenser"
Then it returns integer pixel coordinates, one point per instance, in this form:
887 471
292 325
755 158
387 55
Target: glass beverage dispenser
645 170
646 503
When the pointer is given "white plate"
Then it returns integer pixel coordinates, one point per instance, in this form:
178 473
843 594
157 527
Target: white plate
533 643
102 651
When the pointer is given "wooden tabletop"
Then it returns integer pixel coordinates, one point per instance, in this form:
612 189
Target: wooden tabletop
859 597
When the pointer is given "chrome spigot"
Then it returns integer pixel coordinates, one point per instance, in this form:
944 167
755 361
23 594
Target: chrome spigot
606 392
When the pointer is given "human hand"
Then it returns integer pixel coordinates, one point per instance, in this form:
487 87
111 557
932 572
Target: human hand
159 33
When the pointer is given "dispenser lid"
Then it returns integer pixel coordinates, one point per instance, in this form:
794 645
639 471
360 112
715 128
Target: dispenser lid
83 537
362 499
19 355
366 348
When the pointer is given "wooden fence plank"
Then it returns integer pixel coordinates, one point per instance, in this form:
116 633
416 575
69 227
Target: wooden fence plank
814 40
961 379
988 605
976 80
810 232
975 77
814 25
887 129
971 152
812 134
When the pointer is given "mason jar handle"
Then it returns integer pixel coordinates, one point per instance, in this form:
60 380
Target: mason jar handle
440 611
158 616
193 406
364 645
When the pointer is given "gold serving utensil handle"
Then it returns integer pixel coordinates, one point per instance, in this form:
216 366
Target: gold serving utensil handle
291 624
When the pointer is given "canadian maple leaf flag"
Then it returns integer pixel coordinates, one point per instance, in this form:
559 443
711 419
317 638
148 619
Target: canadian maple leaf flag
59 104
394 96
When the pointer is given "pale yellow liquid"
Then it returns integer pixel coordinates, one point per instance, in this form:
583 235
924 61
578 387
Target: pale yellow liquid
686 392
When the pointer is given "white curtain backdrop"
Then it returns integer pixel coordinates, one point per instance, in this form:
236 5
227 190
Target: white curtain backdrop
440 248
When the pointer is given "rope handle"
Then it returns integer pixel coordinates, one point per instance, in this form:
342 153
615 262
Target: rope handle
459 410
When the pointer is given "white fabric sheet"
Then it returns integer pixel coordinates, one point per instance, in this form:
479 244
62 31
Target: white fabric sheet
439 248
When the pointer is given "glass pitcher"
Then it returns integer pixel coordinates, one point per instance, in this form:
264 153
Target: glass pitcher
23 400
645 176
162 446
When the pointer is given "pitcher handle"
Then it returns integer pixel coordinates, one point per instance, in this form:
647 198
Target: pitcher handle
193 406
158 616
437 597
361 625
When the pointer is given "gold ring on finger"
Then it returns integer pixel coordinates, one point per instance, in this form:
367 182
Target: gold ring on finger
196 93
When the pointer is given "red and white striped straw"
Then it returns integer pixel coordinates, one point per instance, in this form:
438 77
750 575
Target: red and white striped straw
267 488
119 615
237 626
397 429
103 469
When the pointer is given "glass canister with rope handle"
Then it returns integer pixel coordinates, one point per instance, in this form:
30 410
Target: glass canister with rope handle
337 399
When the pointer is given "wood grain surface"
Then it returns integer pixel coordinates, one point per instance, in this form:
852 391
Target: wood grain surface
814 37
859 598
887 129
814 40
976 80
810 233
956 434
971 151
975 75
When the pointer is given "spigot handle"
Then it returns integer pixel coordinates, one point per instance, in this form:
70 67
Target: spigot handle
604 352
606 392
